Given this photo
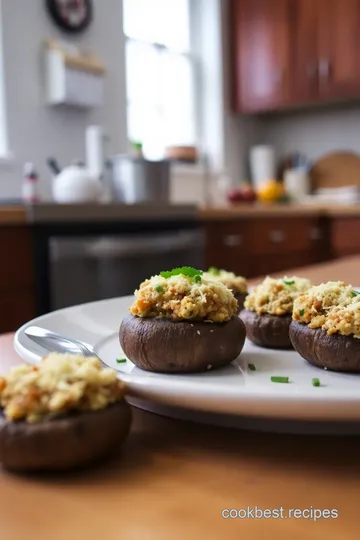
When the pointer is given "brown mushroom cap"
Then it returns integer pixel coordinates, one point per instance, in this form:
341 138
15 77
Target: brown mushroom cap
240 297
269 331
168 346
63 443
335 352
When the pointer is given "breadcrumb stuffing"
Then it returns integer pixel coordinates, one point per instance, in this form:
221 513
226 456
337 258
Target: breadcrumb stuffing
180 297
238 284
276 296
61 383
333 306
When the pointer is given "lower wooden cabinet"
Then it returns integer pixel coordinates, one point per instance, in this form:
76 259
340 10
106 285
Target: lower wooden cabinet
258 246
345 234
17 290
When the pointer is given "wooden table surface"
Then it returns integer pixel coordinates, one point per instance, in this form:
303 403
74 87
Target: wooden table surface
173 479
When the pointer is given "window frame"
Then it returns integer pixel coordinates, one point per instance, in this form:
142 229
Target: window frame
5 157
191 57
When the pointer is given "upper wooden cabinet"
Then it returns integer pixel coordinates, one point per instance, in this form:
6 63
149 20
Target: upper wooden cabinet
261 36
338 48
305 67
294 52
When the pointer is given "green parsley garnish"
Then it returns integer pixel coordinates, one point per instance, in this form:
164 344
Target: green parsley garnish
214 271
301 312
355 293
315 382
289 282
280 379
252 367
187 271
121 360
159 288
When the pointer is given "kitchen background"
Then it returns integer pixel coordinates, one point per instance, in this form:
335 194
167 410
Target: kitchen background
255 103
34 131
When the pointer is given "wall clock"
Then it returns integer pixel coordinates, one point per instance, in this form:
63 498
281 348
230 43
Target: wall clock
71 15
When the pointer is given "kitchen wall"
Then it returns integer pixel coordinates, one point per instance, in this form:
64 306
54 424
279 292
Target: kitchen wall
314 132
35 130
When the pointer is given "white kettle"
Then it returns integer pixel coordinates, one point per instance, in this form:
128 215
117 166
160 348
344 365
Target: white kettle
75 184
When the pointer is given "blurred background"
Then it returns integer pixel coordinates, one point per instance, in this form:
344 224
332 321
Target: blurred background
138 134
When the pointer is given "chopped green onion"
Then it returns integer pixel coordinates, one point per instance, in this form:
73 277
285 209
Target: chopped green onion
301 312
289 282
197 279
159 288
280 379
214 271
355 293
315 382
121 360
252 367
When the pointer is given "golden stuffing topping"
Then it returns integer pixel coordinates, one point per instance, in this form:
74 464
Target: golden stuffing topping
333 306
237 284
60 384
276 296
180 297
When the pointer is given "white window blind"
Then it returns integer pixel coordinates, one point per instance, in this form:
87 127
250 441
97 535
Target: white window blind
159 74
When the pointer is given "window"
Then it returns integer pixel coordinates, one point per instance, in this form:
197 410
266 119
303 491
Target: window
159 74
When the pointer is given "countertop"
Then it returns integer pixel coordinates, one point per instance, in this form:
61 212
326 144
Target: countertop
12 215
248 211
172 479
20 215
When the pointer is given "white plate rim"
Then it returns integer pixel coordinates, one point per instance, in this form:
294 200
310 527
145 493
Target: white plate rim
272 402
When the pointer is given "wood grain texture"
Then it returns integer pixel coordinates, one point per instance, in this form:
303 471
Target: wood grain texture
173 478
305 80
339 41
261 33
12 215
17 289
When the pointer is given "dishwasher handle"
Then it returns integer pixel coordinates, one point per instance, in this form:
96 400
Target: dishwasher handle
145 245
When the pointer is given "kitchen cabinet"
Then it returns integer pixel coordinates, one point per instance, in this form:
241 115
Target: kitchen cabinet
228 246
288 53
338 46
305 84
254 247
17 290
345 236
260 36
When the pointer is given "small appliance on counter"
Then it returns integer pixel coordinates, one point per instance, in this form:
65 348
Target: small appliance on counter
138 180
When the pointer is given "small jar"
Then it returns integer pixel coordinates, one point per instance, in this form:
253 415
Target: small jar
30 184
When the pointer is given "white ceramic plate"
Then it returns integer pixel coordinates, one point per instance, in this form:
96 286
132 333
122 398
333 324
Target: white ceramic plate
233 395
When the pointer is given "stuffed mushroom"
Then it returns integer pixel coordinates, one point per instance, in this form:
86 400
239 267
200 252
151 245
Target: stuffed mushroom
326 326
182 322
268 309
64 413
237 284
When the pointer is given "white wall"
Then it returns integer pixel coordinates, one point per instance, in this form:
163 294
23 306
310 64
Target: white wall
36 131
314 132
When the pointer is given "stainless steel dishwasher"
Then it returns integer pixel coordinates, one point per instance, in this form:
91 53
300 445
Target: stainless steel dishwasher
85 269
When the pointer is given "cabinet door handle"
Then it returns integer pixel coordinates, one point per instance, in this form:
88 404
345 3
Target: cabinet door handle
277 237
233 240
324 69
